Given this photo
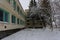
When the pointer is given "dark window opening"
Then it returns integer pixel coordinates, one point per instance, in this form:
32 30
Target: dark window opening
13 19
1 15
17 21
41 23
18 9
28 23
28 17
27 20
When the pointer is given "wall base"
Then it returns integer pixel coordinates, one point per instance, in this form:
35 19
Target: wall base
8 32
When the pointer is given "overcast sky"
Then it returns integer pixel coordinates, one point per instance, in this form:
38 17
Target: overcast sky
25 3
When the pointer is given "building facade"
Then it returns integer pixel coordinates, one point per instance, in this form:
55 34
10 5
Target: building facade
12 15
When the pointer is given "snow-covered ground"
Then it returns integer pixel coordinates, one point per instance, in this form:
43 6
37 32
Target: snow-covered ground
35 34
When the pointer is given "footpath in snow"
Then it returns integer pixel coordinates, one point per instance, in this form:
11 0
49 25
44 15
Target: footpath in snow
35 34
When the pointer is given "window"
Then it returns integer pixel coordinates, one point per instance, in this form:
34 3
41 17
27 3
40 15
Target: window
17 21
14 4
20 12
21 22
6 16
18 9
13 19
1 15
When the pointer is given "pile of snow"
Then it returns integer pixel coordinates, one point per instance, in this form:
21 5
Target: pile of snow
35 34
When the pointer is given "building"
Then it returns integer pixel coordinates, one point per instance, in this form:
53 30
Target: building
12 15
28 19
26 11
